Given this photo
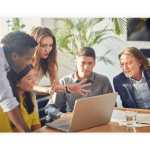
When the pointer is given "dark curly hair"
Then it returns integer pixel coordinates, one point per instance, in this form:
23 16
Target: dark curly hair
18 42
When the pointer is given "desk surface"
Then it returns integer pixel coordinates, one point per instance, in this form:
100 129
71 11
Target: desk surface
110 127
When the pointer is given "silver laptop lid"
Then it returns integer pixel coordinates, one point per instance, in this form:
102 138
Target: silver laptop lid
92 111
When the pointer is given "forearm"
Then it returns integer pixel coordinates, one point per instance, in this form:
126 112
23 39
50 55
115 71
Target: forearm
52 112
16 118
38 90
35 127
62 86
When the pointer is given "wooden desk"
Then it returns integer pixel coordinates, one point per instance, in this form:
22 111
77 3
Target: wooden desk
110 127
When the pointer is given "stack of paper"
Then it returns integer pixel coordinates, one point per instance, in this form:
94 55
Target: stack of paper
120 117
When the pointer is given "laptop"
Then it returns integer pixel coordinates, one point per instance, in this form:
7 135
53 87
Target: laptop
88 112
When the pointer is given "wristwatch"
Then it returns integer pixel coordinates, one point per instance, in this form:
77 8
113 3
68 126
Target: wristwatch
67 90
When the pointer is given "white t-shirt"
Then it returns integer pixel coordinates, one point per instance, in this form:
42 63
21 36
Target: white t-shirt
7 101
40 76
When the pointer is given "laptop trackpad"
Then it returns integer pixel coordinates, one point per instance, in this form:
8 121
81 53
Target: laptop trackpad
56 123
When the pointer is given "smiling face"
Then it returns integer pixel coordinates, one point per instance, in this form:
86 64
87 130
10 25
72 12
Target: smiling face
130 66
46 46
26 83
84 65
20 62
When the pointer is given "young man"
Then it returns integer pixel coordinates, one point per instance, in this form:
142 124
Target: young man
85 61
16 52
133 84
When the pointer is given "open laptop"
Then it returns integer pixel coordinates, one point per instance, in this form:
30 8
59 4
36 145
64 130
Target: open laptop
88 112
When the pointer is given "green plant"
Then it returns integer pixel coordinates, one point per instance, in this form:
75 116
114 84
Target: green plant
79 32
121 25
144 19
16 24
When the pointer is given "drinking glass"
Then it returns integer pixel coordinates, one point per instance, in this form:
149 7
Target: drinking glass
131 116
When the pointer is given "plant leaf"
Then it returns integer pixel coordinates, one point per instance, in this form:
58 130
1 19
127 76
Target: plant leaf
121 25
144 19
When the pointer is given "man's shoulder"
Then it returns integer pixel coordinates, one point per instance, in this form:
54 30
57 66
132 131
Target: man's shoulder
99 76
68 77
120 76
148 72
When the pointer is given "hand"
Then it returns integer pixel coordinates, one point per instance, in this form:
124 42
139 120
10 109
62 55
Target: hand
64 114
54 88
60 87
77 88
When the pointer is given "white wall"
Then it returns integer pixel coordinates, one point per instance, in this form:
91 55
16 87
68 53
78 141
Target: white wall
30 23
3 27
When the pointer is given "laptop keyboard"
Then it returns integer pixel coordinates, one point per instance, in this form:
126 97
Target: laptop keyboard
64 127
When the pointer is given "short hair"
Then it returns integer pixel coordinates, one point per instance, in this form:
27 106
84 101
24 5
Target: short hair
19 42
86 51
138 55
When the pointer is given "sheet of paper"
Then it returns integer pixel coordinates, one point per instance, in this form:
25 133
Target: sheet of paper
120 116
117 115
137 125
146 121
143 118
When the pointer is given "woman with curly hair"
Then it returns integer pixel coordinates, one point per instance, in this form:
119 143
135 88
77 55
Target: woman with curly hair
45 63
16 52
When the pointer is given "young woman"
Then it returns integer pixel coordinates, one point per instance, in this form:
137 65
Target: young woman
22 87
45 63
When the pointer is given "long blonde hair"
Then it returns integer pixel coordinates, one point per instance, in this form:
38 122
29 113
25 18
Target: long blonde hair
138 55
38 33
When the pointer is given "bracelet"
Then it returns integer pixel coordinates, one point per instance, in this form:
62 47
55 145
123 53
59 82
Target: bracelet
47 90
67 90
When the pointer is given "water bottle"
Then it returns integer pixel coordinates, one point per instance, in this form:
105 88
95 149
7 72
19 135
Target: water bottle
48 119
